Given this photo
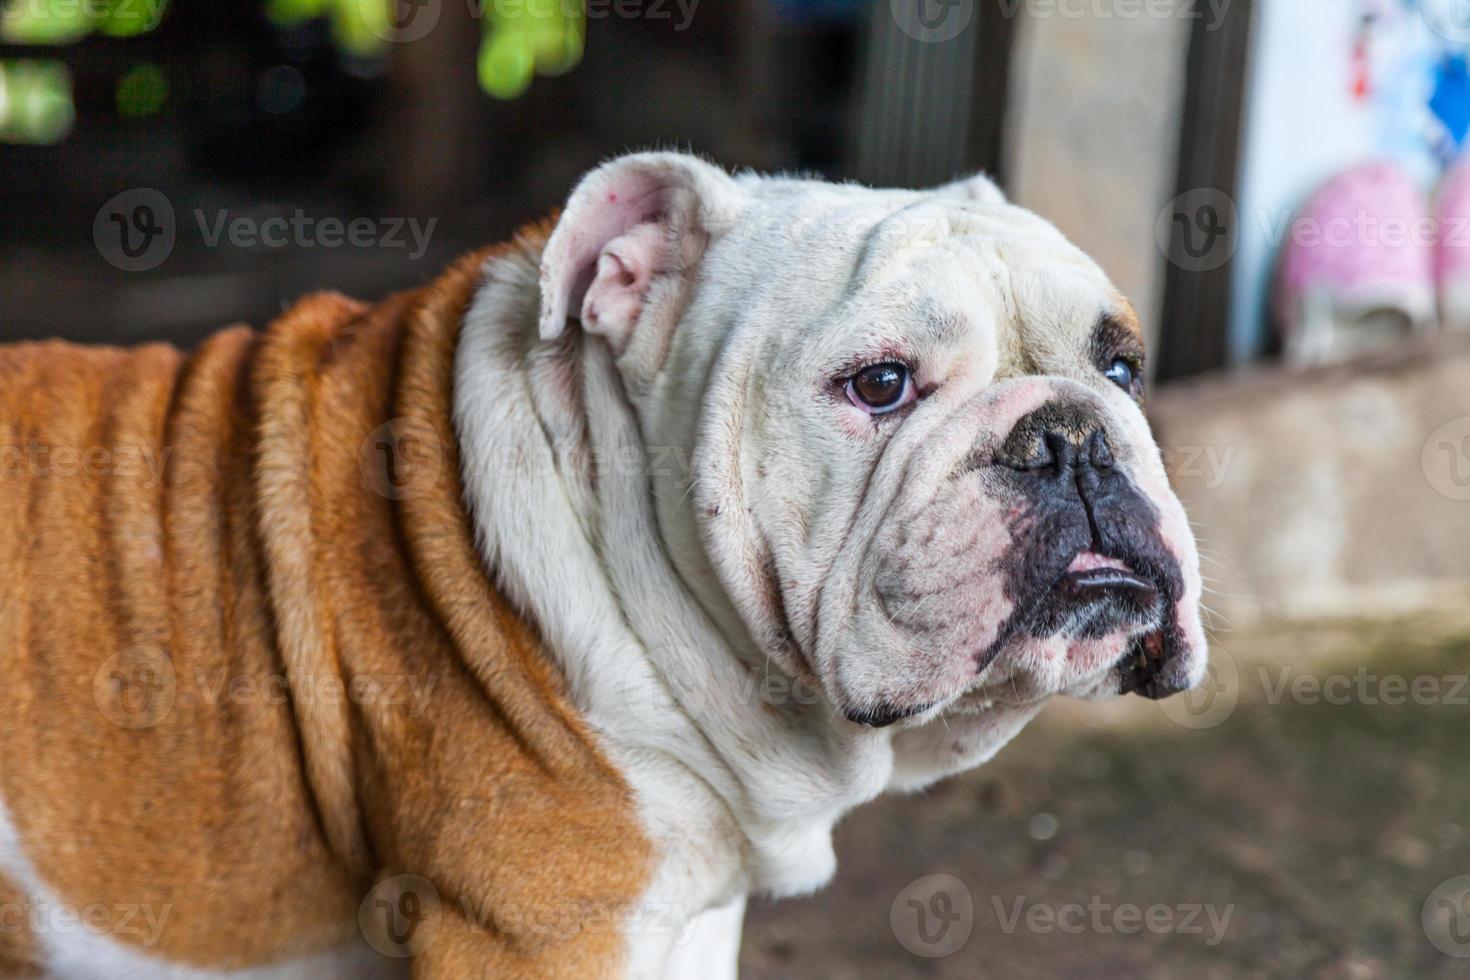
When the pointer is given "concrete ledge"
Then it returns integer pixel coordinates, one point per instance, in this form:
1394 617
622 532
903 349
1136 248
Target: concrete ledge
1341 491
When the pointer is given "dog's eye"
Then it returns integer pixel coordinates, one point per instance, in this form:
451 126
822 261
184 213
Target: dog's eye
881 388
1121 373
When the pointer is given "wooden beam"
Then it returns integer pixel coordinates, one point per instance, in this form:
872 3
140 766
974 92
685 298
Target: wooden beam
1194 328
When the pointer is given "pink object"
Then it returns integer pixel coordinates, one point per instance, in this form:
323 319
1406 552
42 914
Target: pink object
1089 561
1452 258
1357 267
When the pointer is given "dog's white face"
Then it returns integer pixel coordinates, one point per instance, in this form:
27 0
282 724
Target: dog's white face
917 463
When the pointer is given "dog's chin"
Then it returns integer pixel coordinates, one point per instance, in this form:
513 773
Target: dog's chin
1100 605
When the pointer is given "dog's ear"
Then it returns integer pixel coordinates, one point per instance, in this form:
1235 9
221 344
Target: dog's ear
977 187
629 239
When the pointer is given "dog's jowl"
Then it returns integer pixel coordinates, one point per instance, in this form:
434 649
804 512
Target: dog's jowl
521 625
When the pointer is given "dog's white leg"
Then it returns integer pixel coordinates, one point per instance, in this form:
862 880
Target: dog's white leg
707 947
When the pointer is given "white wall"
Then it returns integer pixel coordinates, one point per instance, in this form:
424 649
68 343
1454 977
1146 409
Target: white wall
1093 132
1302 125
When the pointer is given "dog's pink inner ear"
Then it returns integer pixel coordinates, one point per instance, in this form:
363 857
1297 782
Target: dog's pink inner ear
621 229
625 268
591 225
622 258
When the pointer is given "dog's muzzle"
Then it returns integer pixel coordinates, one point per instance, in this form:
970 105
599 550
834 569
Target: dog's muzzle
1093 562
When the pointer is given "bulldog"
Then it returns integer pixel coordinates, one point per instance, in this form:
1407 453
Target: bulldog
523 624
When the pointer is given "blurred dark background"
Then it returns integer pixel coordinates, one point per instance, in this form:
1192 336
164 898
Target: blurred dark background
475 115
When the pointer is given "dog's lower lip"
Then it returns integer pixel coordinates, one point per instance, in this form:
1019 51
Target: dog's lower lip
1090 571
886 715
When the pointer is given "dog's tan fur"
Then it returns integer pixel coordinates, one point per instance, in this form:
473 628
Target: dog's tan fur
265 552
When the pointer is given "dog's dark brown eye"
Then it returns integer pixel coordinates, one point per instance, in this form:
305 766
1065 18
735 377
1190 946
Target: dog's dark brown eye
881 388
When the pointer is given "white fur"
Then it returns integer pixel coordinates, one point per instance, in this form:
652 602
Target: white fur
659 495
710 949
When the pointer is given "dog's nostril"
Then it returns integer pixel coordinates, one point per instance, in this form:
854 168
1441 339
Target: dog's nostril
1050 451
1059 432
1038 453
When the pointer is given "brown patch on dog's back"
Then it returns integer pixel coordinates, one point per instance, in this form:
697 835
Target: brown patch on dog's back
178 638
134 615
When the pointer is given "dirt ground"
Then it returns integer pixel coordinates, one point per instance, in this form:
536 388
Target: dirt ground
1306 817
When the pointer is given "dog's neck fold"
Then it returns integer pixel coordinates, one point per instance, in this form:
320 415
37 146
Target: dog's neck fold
556 478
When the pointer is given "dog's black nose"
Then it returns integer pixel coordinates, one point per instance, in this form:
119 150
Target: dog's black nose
1061 442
